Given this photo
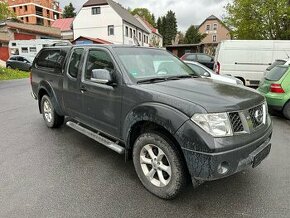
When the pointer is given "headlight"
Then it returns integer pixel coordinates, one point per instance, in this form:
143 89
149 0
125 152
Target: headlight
218 125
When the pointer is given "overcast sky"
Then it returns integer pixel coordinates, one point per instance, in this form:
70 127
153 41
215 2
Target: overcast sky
187 12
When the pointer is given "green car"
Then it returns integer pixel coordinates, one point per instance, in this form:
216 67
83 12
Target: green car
275 86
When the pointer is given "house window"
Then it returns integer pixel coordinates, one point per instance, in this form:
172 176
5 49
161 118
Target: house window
26 19
20 7
215 26
127 31
96 10
25 8
214 38
140 37
207 27
134 32
32 49
130 32
14 9
110 30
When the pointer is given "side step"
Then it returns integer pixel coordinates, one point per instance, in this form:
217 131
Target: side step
97 137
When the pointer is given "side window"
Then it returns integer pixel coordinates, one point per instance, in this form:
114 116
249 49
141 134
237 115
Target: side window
74 63
50 59
191 57
98 59
21 59
204 58
198 69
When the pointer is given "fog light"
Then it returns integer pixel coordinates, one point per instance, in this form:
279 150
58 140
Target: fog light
223 168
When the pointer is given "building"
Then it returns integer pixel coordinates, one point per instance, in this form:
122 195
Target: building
40 12
109 21
155 38
215 31
19 31
65 26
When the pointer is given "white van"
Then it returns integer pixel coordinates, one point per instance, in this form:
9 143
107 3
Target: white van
30 48
248 59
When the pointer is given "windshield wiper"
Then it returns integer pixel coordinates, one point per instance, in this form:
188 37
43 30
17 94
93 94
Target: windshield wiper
152 80
181 77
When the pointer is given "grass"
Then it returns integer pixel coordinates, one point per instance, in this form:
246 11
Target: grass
9 74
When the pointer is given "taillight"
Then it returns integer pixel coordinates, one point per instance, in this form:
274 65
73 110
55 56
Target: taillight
276 88
217 68
183 57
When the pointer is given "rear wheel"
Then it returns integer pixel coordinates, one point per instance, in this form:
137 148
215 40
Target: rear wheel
9 67
286 111
159 165
51 118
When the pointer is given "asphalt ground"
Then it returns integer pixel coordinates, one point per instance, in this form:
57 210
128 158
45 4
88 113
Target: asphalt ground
61 173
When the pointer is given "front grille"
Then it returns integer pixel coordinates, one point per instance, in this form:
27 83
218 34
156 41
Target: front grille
236 122
257 115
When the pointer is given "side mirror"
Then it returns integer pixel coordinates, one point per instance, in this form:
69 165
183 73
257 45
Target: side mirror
101 76
206 74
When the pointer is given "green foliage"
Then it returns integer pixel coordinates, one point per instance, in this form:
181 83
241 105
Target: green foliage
69 11
5 12
144 13
193 36
259 19
9 74
167 26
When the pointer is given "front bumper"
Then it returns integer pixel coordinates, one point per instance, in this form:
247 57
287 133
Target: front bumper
206 164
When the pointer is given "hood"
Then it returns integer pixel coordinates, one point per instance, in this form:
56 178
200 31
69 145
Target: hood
213 96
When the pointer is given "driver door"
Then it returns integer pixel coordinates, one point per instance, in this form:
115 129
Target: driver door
101 107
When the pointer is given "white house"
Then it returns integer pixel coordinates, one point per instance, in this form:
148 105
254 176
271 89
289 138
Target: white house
155 38
108 20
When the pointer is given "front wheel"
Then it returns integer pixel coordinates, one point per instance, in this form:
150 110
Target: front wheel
51 118
159 165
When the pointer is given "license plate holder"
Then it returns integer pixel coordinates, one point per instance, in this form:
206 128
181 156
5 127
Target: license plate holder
258 158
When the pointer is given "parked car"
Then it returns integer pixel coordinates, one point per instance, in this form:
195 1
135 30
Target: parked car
201 58
248 59
19 62
208 73
149 105
277 62
275 86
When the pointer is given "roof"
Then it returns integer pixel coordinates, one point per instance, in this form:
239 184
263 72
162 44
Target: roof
152 28
212 17
126 15
123 13
97 40
63 24
50 31
95 2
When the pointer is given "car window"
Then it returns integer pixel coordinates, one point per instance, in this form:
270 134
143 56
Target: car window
276 73
74 63
277 62
50 58
98 59
143 63
20 59
198 69
13 58
191 57
204 58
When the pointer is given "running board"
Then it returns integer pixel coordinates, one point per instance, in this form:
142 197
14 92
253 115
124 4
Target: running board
97 137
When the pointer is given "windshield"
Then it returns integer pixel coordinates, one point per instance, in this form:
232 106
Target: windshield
143 63
277 62
276 73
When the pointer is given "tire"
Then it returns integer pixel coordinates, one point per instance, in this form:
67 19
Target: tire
9 67
286 110
51 118
161 159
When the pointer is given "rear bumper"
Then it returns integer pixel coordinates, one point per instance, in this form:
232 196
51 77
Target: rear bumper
208 166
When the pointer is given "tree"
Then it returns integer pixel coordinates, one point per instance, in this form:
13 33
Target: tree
146 14
181 37
69 11
193 36
259 19
5 12
169 24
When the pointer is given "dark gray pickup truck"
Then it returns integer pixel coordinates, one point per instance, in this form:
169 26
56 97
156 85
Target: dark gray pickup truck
148 105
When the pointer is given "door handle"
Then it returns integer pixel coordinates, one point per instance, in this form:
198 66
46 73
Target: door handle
83 89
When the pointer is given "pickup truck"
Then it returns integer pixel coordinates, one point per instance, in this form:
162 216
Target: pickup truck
151 107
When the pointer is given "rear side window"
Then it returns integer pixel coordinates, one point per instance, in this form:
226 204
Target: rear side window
50 59
204 58
277 62
276 73
74 63
13 58
190 57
